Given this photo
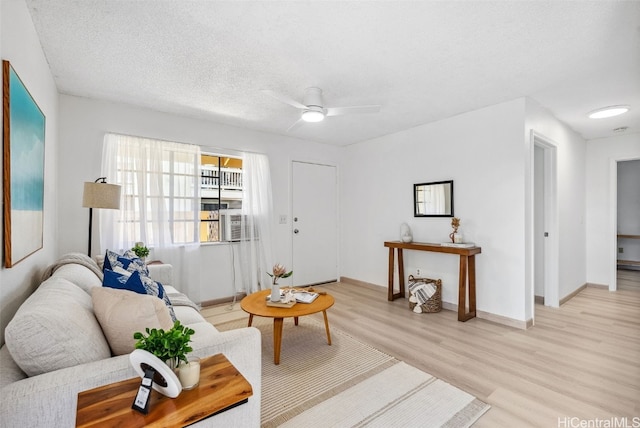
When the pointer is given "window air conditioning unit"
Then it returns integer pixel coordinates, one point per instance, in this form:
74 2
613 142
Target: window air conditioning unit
231 225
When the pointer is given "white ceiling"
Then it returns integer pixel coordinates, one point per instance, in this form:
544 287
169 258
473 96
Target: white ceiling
421 61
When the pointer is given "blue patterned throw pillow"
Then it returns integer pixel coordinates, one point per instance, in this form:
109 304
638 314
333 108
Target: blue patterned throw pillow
127 261
138 283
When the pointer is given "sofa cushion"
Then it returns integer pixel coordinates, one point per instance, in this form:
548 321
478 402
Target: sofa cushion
79 275
121 313
188 315
9 371
138 283
55 328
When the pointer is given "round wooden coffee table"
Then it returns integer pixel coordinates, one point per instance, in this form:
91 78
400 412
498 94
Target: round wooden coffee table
256 304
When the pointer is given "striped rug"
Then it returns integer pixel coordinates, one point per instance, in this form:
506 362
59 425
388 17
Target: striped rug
349 384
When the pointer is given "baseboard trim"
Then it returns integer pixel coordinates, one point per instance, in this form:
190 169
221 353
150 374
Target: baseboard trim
509 322
360 283
529 323
569 296
214 302
592 285
499 319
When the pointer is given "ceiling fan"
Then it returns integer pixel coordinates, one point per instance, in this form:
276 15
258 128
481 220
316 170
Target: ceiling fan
313 109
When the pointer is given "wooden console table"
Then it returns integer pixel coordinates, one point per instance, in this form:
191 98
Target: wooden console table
467 275
221 388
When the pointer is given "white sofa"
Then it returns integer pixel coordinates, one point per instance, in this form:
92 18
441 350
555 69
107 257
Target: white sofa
58 325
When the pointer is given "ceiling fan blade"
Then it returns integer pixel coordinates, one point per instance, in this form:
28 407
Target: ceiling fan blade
297 124
337 111
285 99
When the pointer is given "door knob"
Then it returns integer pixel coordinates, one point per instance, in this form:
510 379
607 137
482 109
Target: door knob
295 231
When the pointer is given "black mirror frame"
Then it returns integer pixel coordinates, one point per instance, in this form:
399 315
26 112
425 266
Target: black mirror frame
415 202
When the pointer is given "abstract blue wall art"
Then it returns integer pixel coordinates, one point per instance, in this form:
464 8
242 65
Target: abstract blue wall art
23 169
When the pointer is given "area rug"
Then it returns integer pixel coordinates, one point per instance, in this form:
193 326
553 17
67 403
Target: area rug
349 384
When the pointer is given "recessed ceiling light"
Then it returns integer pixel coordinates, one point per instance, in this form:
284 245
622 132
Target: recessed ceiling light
610 111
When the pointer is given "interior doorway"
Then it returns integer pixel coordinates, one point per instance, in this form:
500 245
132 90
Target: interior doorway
538 224
627 223
314 223
545 230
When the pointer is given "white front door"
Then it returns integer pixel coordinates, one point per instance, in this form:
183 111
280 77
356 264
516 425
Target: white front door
314 223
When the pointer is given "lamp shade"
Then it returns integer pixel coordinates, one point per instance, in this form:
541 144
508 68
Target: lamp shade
101 195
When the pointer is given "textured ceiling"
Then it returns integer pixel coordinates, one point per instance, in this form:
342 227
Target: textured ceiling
421 61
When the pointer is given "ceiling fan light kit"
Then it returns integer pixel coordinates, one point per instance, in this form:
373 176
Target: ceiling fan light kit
313 109
314 114
610 111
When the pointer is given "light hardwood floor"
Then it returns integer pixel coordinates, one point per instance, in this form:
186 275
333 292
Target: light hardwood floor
628 279
579 361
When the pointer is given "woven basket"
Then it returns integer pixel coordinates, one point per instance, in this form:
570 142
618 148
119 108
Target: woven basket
434 304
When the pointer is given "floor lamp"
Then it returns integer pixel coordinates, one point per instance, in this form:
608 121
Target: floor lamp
99 194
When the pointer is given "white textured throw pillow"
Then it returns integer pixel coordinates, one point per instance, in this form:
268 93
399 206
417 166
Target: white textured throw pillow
55 328
121 313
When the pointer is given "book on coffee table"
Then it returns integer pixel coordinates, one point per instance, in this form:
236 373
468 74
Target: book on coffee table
305 296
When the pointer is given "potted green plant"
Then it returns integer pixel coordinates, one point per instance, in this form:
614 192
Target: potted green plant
171 346
140 250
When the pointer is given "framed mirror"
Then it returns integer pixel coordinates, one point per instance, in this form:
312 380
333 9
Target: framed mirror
433 199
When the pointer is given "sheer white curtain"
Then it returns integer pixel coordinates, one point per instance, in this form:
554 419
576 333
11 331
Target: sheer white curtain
160 203
256 246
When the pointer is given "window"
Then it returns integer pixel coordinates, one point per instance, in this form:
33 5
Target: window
221 197
160 192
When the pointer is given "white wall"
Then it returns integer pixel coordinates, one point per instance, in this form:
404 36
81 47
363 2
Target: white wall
571 195
629 209
488 154
483 152
20 46
602 155
83 123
